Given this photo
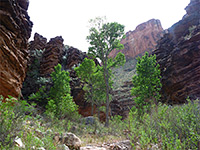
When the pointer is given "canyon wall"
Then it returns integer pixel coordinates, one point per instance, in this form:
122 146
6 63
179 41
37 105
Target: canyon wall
142 39
178 54
15 30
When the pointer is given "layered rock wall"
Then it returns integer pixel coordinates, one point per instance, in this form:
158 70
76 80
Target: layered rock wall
51 56
178 54
36 49
15 30
142 39
39 42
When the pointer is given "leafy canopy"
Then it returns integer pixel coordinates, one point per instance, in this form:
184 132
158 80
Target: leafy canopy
146 82
60 101
105 37
94 84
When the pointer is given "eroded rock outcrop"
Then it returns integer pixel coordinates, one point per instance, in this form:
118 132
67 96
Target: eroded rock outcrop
178 54
51 56
55 52
142 39
36 49
15 30
39 42
122 101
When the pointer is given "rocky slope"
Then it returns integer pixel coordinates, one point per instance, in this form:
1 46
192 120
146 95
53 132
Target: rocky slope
178 54
142 39
122 101
15 30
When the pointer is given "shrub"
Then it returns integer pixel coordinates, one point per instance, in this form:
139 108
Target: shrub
12 115
170 127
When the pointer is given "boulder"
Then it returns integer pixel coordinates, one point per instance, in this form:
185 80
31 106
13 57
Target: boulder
69 139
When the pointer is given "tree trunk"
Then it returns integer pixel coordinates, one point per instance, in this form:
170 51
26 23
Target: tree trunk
92 102
107 95
92 113
98 112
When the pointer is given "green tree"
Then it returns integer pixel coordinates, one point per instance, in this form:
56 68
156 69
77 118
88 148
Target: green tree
146 82
60 101
87 72
103 38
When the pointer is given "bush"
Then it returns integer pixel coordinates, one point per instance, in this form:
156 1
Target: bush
12 115
170 127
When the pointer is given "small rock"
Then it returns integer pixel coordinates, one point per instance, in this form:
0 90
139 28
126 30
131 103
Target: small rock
56 138
19 143
39 133
92 148
90 120
154 147
41 148
62 147
71 140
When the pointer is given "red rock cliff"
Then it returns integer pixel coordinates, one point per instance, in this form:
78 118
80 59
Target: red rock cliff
142 39
178 54
15 30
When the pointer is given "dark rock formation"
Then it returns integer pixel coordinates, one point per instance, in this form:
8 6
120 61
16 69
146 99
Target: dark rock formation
142 39
39 42
36 49
178 54
15 30
51 56
55 52
122 101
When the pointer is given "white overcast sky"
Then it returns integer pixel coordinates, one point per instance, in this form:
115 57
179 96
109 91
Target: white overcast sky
69 18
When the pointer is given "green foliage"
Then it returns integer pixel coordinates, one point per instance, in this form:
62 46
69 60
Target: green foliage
40 96
146 82
92 77
12 115
168 127
60 102
33 80
103 38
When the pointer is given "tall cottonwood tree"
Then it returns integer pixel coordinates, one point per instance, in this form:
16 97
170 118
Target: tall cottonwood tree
105 37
